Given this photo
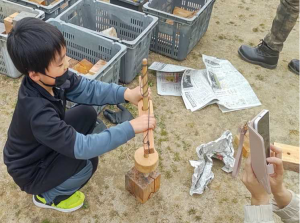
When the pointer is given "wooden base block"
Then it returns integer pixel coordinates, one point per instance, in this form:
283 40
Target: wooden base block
246 145
140 186
290 156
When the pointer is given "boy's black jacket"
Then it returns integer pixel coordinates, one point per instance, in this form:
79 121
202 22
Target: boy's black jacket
35 167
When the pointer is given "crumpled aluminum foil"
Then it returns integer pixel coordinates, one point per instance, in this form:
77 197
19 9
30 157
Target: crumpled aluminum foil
221 149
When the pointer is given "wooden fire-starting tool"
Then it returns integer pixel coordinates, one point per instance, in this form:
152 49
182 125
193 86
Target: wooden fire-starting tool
142 180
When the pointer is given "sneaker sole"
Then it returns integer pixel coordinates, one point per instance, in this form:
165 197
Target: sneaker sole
268 66
292 70
55 208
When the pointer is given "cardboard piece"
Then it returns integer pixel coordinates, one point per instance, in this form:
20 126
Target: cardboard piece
290 156
95 69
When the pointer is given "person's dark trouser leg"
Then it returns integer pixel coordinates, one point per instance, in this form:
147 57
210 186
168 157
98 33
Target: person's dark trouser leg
83 119
283 23
266 54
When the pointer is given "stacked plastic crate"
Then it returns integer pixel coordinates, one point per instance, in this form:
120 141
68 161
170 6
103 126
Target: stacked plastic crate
133 29
85 45
130 4
176 36
52 8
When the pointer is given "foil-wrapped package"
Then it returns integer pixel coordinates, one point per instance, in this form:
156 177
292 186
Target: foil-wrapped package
221 149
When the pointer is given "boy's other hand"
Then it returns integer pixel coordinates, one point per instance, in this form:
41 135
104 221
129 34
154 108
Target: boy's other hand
143 123
276 179
135 95
281 195
259 195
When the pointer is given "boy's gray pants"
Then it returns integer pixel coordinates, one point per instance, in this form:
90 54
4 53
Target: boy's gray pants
71 185
283 23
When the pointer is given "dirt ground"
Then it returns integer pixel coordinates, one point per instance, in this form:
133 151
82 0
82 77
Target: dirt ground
178 133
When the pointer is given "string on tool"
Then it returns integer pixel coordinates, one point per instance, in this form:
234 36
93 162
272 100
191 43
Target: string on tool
146 94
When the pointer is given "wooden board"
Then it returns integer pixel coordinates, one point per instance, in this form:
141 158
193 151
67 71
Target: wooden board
83 66
95 69
290 156
72 62
40 2
54 2
184 13
246 145
140 186
81 69
8 22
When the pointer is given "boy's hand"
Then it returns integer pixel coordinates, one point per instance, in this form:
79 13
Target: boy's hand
135 95
259 195
143 123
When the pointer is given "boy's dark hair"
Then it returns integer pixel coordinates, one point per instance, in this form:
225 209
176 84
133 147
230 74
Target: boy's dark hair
32 44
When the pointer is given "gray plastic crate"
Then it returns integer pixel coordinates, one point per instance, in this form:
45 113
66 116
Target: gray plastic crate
6 9
130 4
51 11
133 28
178 39
83 45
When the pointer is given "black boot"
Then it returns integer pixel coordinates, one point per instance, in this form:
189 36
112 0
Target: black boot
294 66
261 55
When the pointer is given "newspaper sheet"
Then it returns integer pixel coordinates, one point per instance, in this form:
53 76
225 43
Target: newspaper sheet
220 83
196 91
168 78
168 68
229 85
169 83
